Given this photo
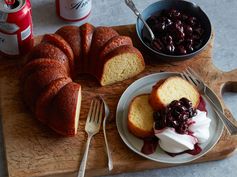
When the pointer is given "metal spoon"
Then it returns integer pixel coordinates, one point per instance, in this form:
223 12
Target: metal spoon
132 6
106 109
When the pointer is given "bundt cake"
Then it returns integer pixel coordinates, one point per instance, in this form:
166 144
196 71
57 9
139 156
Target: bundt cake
46 78
140 117
172 88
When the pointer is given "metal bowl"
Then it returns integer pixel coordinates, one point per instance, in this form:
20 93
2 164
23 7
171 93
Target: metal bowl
184 6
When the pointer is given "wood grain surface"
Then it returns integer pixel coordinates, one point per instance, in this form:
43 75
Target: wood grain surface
34 150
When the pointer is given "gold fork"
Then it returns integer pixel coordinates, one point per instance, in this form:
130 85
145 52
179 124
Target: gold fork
92 127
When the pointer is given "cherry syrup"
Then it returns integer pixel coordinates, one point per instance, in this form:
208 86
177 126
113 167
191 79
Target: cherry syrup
149 145
202 105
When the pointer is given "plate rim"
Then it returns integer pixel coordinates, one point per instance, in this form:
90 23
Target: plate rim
130 146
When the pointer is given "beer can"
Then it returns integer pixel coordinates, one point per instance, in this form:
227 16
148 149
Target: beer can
16 37
73 10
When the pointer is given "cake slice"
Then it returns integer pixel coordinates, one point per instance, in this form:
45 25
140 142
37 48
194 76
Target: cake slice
39 64
71 34
87 31
122 63
65 110
100 37
59 42
45 99
37 81
46 50
173 88
140 117
113 43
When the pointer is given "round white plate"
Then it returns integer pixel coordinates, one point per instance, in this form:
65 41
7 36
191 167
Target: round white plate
144 85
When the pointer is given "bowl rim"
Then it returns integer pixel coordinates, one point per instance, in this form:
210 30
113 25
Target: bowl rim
169 55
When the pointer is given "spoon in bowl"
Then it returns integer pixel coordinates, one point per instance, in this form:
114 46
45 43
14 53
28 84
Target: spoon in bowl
132 6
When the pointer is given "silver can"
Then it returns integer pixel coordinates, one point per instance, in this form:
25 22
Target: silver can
73 10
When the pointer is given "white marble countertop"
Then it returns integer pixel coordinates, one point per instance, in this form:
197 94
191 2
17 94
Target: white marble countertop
114 12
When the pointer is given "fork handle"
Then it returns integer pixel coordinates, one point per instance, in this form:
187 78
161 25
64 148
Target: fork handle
82 168
232 129
110 162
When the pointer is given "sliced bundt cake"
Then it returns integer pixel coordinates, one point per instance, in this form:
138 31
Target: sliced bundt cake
63 45
140 116
87 31
100 37
39 64
36 82
173 88
43 104
113 43
65 110
122 63
47 86
46 50
71 34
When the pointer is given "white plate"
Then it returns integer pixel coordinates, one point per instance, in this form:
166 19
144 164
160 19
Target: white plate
144 85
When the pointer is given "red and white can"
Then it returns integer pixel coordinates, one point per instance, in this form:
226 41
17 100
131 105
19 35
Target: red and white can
16 37
73 10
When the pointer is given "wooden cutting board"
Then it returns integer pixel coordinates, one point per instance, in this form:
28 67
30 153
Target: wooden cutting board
34 150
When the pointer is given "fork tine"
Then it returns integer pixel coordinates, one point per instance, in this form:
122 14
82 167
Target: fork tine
95 115
192 77
97 110
101 112
94 110
194 74
90 111
188 78
183 76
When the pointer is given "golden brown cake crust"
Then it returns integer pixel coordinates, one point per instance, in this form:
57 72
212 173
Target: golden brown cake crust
113 43
46 50
87 31
37 81
63 45
153 99
45 99
39 64
124 49
72 35
63 109
100 37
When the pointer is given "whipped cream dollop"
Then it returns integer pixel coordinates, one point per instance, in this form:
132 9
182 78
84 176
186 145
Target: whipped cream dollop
200 126
173 142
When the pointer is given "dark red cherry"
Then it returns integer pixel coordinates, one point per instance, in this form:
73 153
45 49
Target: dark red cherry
181 50
158 45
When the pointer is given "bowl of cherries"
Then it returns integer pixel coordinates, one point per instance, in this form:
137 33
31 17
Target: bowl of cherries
181 28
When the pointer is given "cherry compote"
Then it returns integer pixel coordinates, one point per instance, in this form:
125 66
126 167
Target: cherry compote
175 32
176 115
